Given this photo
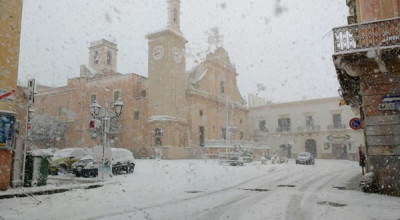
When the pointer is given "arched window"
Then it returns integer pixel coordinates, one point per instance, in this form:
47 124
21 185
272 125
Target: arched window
175 16
108 57
96 57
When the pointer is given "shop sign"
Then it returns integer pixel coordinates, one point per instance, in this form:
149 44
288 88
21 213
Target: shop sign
6 130
338 137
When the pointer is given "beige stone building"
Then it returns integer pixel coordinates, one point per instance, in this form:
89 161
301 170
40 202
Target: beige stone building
192 108
368 70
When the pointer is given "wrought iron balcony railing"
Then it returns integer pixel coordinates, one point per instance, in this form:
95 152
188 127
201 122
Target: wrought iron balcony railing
362 36
259 132
283 129
336 126
308 128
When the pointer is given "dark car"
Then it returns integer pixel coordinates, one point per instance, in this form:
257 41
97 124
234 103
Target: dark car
122 162
305 158
78 168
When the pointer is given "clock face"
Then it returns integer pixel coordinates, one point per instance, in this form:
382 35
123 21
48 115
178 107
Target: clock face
177 55
158 52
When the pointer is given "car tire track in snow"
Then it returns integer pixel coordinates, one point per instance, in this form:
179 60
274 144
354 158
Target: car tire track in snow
235 207
175 202
295 208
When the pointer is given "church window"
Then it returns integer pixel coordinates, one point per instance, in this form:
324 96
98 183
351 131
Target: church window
108 57
201 112
223 135
116 95
222 87
96 57
137 115
92 98
175 16
60 108
143 93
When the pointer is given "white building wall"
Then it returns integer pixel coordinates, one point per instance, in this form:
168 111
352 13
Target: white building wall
330 140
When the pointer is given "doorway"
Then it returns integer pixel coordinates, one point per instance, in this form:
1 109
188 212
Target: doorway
311 147
339 151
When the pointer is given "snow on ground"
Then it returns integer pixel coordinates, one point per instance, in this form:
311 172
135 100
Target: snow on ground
204 189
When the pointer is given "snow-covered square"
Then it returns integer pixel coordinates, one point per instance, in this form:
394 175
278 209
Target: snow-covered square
205 189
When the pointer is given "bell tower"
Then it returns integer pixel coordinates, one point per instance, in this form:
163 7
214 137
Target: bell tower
167 84
103 56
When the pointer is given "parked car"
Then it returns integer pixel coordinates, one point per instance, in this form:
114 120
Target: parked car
64 158
305 158
122 162
78 167
235 160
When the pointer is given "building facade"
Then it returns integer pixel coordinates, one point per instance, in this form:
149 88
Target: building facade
319 126
10 25
368 70
191 108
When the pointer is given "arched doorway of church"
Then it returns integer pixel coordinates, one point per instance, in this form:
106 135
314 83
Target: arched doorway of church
311 147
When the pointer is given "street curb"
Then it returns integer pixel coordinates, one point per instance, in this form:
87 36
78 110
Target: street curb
47 192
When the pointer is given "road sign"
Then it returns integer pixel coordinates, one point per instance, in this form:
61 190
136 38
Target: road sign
356 123
391 99
5 95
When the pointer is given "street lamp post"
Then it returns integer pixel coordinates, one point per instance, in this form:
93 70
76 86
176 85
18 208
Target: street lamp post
158 135
94 110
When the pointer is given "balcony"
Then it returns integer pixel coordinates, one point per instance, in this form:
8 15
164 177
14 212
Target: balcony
360 37
308 128
227 143
260 133
283 129
336 126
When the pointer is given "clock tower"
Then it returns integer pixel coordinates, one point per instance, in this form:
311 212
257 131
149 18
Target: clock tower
167 85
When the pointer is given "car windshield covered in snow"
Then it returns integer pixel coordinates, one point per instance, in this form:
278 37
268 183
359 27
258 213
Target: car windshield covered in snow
199 109
304 154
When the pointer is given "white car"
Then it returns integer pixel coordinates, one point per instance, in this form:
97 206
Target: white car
122 162
305 158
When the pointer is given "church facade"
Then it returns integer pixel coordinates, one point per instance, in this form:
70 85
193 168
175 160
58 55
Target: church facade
192 108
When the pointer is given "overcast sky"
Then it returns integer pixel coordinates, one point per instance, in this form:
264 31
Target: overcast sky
286 45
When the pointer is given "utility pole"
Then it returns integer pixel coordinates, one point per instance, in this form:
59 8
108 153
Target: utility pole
226 123
29 111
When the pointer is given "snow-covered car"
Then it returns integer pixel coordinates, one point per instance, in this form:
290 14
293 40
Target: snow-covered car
78 167
64 158
305 158
122 162
235 160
